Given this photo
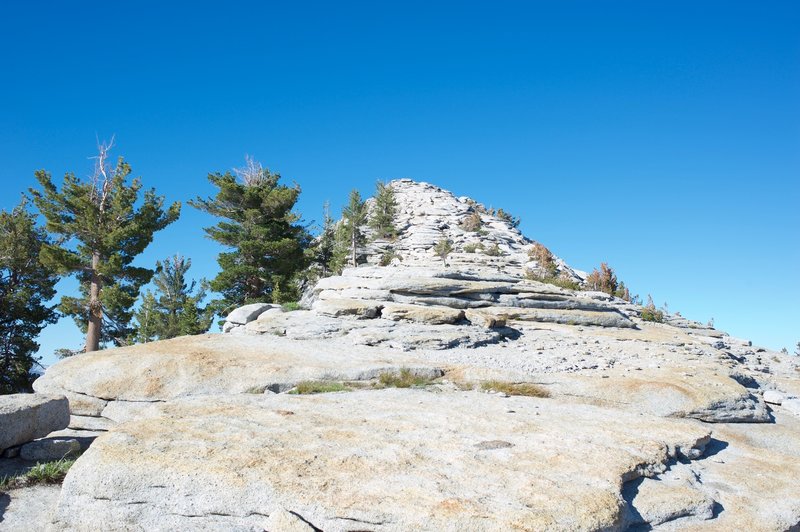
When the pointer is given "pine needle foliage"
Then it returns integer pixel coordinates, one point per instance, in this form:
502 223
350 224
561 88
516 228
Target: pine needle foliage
349 234
25 287
101 225
266 241
383 212
175 307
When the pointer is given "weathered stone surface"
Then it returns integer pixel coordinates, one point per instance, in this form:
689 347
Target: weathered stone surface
486 320
214 364
90 423
247 313
48 449
432 315
358 308
285 521
28 509
773 397
355 460
25 417
666 392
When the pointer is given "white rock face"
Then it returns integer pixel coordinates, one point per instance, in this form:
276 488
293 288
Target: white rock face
25 417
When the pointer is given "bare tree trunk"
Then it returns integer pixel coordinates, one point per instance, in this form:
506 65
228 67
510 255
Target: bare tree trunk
95 308
353 245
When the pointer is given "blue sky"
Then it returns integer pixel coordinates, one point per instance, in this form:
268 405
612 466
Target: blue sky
661 137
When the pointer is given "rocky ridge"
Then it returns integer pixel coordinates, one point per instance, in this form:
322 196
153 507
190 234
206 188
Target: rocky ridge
636 424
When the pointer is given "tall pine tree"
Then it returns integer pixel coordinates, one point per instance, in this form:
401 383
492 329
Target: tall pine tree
174 309
383 212
266 241
325 245
100 232
25 287
349 233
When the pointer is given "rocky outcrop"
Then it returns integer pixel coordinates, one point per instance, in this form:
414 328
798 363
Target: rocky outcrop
25 417
532 406
377 460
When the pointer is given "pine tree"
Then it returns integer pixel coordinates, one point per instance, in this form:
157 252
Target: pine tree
175 307
25 287
604 280
350 235
442 249
147 319
101 231
383 212
544 260
326 243
266 241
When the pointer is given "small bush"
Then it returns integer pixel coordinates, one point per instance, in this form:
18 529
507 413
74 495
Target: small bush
561 280
290 306
388 256
311 387
493 251
442 249
472 222
405 379
651 313
523 388
544 259
472 248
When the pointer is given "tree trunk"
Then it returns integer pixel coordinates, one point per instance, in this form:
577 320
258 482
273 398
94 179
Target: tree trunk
95 308
353 245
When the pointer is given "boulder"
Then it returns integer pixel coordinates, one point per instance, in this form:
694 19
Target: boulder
484 319
431 315
49 449
247 313
25 417
212 364
773 397
357 308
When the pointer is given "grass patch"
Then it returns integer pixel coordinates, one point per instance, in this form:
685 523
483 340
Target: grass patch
42 473
290 306
311 387
405 379
523 388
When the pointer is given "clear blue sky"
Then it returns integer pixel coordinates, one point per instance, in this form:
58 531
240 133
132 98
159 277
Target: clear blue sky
662 137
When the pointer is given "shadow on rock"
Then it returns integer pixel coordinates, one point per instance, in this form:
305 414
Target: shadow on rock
5 500
713 447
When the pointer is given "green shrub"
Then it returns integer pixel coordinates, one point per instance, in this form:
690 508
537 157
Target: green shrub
388 256
472 248
442 249
311 387
511 388
651 313
560 280
290 306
